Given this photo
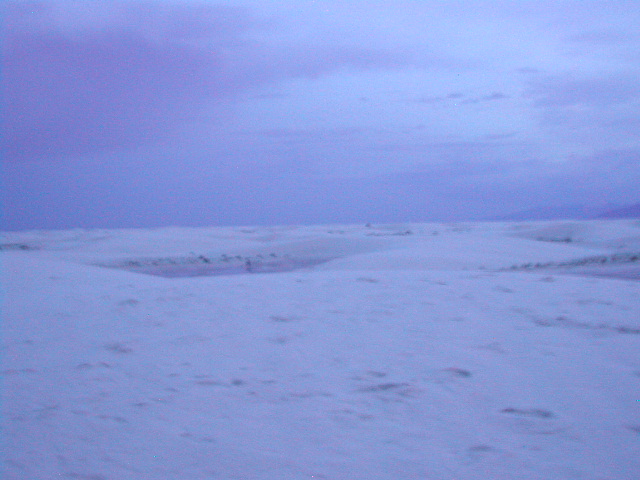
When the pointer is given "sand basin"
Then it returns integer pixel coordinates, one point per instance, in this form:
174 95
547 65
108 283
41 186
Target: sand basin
244 266
279 257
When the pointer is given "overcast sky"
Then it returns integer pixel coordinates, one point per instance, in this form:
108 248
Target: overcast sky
152 113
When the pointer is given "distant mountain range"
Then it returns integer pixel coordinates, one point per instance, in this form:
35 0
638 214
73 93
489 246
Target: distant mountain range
630 211
573 212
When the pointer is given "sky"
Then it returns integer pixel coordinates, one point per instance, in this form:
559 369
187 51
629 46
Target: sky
257 112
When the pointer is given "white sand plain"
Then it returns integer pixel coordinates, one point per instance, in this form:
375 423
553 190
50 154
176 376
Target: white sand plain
413 351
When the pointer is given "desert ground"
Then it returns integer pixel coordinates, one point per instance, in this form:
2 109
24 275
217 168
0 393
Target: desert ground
339 352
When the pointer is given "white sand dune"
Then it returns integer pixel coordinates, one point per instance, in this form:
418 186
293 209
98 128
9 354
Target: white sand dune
414 351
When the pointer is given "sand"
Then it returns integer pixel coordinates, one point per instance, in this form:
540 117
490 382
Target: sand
421 351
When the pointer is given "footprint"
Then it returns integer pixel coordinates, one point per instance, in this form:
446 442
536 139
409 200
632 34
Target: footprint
634 428
381 387
532 412
118 348
85 476
478 453
532 421
448 376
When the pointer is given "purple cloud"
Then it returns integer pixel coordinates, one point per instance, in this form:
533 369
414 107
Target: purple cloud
494 96
457 97
130 73
600 37
594 111
106 87
190 112
110 89
562 92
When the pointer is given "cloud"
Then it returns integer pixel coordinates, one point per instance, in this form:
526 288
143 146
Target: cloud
594 112
472 189
66 96
468 182
73 88
120 74
596 91
456 98
600 37
528 70
494 96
